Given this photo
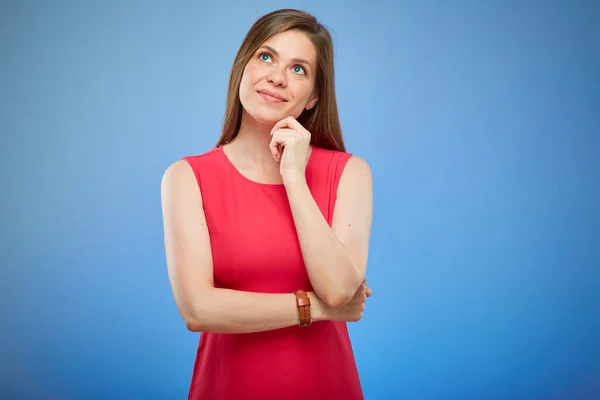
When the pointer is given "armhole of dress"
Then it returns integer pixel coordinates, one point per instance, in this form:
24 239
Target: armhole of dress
338 162
192 163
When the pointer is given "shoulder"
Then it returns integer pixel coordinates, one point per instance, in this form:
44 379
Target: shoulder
177 172
188 165
357 166
349 163
178 182
206 157
348 171
356 172
182 175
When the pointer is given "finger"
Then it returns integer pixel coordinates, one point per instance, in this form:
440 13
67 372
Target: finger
287 122
368 291
280 139
275 152
358 296
285 131
276 146
293 124
285 136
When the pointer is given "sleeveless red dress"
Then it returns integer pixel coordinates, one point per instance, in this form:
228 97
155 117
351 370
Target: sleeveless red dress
255 248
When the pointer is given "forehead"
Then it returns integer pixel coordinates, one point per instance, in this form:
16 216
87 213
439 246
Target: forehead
293 44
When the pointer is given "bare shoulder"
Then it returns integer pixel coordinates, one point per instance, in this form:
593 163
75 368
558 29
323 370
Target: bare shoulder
178 171
358 166
356 174
179 179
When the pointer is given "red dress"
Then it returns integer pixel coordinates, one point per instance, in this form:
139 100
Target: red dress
255 248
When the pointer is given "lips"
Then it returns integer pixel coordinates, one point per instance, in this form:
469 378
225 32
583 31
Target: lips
271 96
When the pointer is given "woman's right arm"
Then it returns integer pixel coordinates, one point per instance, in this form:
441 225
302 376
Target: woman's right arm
203 307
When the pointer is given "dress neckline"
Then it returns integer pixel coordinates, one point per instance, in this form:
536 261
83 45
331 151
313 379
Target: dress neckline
263 184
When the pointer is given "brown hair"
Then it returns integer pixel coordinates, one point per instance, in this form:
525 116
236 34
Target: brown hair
322 121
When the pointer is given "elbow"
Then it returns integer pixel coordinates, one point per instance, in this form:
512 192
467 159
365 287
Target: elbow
195 313
192 324
193 321
339 296
337 300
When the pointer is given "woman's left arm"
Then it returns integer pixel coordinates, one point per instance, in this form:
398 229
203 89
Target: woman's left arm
336 256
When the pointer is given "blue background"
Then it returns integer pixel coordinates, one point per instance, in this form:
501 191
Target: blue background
480 121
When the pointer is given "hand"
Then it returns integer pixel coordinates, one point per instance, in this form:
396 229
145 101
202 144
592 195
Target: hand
290 146
351 312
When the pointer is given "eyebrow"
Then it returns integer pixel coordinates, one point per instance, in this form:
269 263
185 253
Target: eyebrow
296 60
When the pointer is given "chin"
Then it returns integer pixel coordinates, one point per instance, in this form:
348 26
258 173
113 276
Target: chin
267 116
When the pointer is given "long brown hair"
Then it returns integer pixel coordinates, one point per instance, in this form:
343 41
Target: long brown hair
322 121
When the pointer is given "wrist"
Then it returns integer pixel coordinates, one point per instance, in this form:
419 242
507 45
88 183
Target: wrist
318 308
293 179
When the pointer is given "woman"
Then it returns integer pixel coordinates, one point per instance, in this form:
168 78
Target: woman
267 234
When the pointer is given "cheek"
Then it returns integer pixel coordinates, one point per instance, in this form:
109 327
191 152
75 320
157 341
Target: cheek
245 85
303 94
249 78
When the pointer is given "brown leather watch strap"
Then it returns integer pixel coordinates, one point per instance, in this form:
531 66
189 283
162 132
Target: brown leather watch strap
303 303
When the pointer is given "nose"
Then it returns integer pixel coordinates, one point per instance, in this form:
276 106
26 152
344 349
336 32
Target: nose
277 77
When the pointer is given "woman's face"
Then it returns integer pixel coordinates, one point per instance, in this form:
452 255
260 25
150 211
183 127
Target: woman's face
279 79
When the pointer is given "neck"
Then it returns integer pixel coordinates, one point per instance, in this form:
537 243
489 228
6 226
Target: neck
252 141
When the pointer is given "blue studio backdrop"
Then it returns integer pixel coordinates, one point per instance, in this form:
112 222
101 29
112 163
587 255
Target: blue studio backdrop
480 121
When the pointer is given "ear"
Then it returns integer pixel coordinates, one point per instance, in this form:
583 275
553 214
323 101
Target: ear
311 103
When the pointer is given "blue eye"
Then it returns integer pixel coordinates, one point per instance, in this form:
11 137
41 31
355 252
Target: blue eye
265 57
299 69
